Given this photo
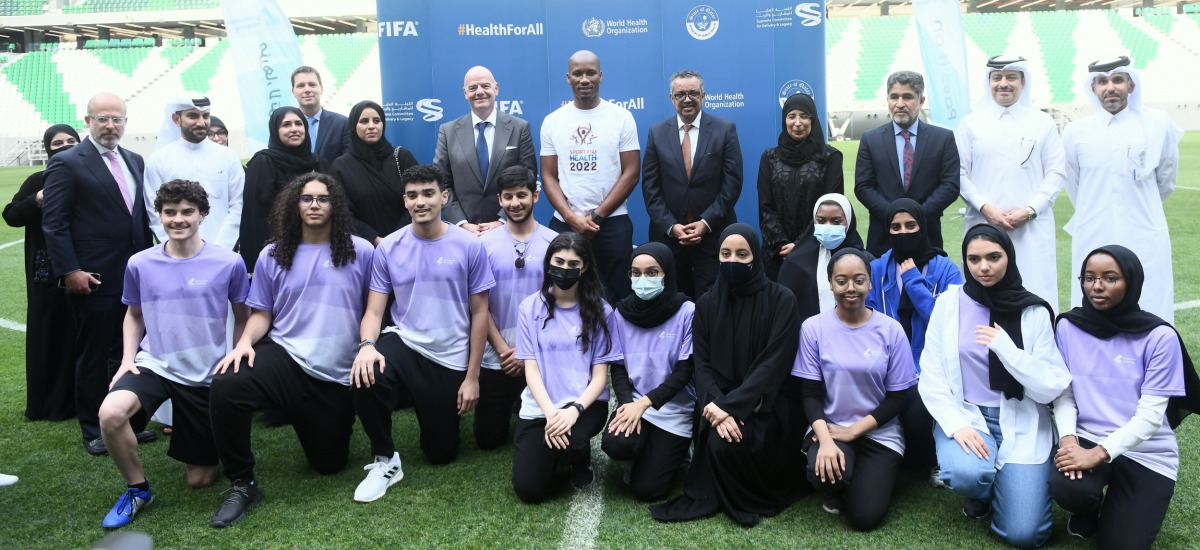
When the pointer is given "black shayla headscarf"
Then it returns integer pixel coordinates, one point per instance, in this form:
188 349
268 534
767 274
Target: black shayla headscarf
910 245
1005 301
377 155
795 153
290 160
652 313
1128 317
214 122
54 131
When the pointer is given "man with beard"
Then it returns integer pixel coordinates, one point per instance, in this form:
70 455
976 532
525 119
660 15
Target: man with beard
906 158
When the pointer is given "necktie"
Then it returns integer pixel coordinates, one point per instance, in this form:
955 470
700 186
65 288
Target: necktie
119 175
687 150
908 158
481 151
312 130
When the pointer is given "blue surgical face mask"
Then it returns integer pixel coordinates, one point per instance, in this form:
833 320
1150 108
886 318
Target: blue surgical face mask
830 236
647 288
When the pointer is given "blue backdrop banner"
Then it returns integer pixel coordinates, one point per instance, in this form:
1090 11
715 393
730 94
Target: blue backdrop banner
752 54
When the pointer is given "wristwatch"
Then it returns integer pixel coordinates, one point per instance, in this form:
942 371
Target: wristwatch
578 406
1032 213
366 342
597 218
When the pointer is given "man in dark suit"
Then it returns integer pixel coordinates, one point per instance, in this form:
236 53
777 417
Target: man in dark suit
690 198
94 221
906 158
466 150
330 139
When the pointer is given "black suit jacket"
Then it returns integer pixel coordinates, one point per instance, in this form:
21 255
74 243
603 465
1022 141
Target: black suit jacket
333 136
716 182
471 199
878 181
84 217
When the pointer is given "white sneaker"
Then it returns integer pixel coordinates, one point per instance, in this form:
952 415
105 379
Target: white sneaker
381 474
6 480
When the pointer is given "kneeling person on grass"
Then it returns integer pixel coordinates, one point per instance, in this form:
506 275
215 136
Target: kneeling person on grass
309 288
177 293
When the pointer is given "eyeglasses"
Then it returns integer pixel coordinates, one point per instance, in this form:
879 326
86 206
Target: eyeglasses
214 133
693 94
322 200
118 120
520 261
1107 281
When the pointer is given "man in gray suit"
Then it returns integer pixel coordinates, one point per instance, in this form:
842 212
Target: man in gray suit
473 149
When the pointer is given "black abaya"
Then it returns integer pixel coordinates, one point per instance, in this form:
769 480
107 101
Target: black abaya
370 173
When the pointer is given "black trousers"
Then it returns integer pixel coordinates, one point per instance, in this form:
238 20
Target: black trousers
534 463
98 321
867 482
695 266
919 451
1131 512
322 413
434 391
499 399
656 455
612 245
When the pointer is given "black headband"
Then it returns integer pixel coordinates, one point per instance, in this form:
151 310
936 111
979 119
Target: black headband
1098 67
998 63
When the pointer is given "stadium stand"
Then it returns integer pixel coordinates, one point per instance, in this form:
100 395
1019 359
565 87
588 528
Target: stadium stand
101 6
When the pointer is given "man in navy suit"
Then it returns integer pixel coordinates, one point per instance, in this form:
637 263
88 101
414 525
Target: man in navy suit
690 198
326 128
485 139
906 158
94 221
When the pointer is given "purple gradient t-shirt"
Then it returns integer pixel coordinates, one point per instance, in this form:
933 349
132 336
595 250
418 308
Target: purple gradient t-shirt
973 356
432 281
316 307
1109 376
185 305
858 365
565 367
512 284
650 355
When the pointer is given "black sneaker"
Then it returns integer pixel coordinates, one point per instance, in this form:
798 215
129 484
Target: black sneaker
582 476
976 509
146 436
1082 527
240 498
95 447
831 503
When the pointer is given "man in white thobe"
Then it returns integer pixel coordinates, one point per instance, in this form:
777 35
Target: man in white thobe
1012 169
1121 166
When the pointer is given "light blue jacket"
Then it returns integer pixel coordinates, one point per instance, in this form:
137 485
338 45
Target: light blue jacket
922 289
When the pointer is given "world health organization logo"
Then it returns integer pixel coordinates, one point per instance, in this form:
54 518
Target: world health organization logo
702 22
793 87
593 28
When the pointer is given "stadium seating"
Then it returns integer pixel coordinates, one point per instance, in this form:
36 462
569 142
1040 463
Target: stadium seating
93 6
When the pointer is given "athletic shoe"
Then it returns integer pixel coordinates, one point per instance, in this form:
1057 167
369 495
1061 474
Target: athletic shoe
831 503
146 436
935 479
976 509
381 474
130 503
6 480
1082 527
241 497
582 476
95 447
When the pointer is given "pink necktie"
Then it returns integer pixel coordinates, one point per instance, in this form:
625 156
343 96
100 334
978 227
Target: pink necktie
119 175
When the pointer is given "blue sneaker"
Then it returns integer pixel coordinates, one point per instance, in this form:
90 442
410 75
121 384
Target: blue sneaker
131 501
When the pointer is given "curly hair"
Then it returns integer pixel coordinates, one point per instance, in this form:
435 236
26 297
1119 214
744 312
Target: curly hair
589 289
286 221
176 191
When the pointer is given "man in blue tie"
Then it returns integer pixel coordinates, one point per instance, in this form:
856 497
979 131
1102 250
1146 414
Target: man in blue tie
326 129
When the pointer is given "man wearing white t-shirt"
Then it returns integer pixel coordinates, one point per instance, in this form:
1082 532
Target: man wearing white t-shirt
590 165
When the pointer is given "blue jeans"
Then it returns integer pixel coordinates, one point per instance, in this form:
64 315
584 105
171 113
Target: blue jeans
1019 493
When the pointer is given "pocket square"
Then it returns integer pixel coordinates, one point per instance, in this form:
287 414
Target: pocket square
510 147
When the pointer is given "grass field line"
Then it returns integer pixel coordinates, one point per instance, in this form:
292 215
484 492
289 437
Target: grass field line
14 243
587 507
12 325
1190 304
1188 188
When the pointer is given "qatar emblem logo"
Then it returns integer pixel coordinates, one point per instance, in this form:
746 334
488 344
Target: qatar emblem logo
793 87
702 22
593 28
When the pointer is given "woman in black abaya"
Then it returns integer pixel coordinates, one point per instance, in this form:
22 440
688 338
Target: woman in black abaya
745 333
370 173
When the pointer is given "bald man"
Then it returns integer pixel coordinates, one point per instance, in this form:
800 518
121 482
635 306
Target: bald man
473 149
591 161
94 222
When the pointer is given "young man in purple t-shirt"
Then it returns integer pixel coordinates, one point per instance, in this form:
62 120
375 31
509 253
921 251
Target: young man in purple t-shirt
307 298
184 282
515 252
439 276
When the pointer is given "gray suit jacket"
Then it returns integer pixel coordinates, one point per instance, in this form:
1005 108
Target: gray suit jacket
473 197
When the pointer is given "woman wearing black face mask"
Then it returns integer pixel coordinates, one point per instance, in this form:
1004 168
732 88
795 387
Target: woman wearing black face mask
564 339
905 282
744 336
49 358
